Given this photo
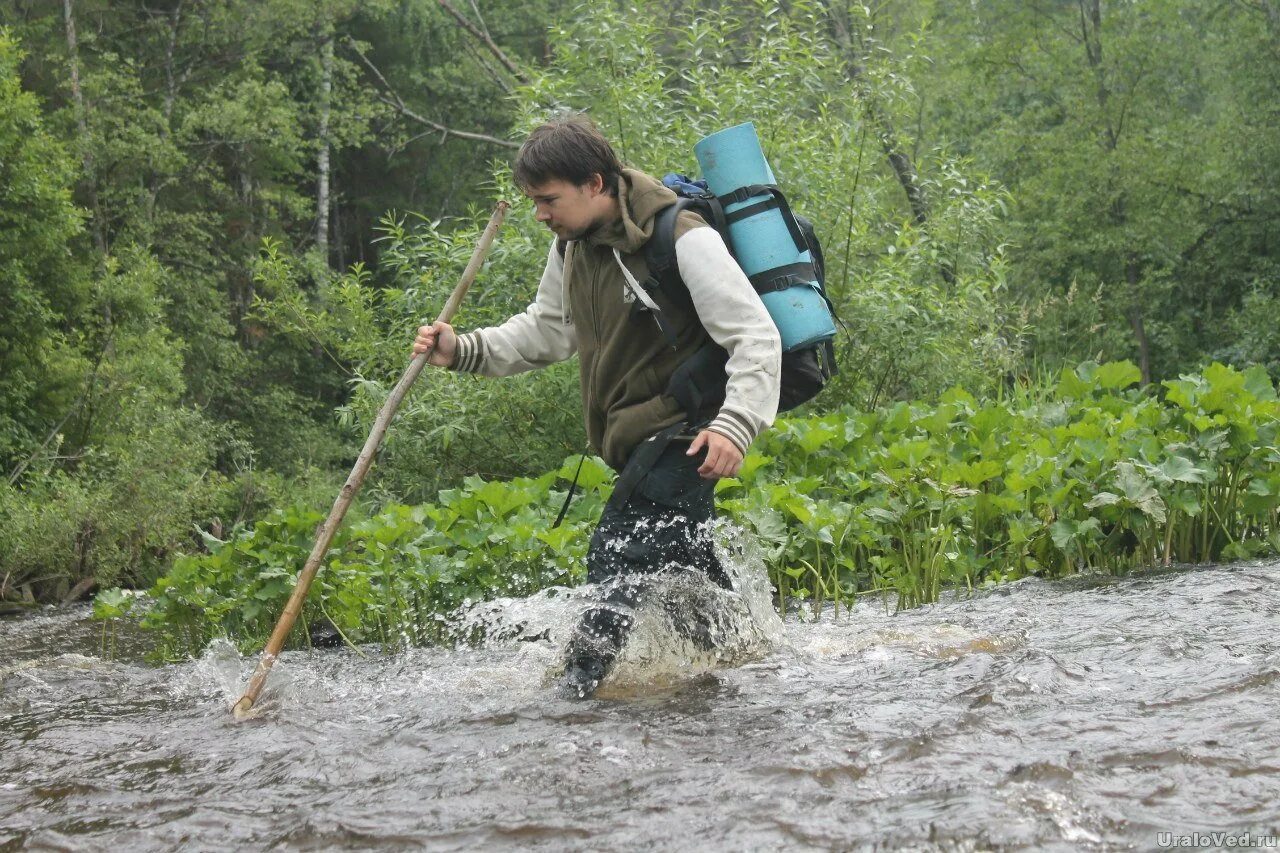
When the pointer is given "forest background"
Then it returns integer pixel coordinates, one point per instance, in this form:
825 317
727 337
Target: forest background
221 220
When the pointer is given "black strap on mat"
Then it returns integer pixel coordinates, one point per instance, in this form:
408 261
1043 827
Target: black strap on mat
751 210
776 199
783 277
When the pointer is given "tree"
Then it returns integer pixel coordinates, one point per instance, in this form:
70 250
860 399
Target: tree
42 285
1122 131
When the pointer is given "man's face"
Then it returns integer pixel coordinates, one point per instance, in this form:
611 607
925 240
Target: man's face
571 211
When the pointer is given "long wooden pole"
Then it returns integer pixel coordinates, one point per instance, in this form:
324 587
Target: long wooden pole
349 489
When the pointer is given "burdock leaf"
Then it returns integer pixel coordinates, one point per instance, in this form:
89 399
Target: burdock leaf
1181 470
1258 383
1115 375
1063 532
1140 491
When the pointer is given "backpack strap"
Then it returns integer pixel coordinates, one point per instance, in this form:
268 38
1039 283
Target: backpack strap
639 465
698 384
660 258
660 250
775 200
568 499
644 303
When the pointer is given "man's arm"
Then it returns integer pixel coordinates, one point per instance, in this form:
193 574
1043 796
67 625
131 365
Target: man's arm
542 335
736 319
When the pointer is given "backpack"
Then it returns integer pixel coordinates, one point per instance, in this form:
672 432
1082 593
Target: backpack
699 383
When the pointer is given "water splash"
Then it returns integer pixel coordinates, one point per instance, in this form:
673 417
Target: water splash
218 677
683 627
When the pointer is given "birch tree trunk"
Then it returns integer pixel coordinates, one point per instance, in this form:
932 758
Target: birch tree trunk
82 125
322 180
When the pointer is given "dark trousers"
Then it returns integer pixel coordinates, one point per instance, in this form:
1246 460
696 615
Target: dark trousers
656 532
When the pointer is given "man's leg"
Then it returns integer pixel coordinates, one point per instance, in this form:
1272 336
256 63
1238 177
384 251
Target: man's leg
658 529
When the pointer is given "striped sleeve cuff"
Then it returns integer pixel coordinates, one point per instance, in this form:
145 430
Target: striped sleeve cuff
469 355
735 428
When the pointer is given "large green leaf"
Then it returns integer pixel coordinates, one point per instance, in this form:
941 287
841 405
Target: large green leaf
1179 469
1258 383
1117 374
1140 491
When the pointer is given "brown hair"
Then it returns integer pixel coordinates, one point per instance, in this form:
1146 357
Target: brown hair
567 148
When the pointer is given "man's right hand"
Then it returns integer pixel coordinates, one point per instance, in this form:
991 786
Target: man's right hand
441 336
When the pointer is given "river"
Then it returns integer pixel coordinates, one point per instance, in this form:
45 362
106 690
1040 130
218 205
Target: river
1091 713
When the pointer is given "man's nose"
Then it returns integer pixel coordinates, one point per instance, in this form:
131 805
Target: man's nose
542 214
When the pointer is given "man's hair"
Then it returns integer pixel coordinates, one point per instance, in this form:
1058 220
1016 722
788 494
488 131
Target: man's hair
567 148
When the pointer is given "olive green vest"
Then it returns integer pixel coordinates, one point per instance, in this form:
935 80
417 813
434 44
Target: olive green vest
625 359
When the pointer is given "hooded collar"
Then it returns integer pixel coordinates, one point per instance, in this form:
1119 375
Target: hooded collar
640 197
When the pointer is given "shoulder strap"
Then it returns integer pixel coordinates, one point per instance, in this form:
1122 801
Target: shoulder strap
660 250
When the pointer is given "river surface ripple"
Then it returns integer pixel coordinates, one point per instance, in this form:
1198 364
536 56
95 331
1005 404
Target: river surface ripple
1087 714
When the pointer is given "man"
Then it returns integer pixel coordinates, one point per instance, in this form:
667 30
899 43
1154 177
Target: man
602 215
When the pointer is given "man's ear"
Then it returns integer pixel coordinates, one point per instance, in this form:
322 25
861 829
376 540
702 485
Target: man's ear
596 183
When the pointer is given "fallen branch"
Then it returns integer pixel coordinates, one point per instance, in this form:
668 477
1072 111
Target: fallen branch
78 591
486 41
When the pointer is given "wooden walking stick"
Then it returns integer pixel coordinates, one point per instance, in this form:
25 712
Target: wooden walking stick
349 489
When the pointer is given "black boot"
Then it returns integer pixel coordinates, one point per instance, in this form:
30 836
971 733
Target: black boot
584 671
595 645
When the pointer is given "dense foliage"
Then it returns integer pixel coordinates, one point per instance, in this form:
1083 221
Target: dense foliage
222 219
1134 139
1074 476
1087 474
146 154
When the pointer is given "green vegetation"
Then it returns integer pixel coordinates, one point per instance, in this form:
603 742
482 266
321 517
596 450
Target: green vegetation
1081 475
1088 474
220 221
390 578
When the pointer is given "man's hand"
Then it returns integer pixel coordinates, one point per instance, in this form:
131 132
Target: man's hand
441 336
723 457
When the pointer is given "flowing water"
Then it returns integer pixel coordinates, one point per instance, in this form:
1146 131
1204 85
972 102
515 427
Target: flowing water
1088 714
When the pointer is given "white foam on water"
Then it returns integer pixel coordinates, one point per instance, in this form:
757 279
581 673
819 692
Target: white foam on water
944 640
732 626
545 616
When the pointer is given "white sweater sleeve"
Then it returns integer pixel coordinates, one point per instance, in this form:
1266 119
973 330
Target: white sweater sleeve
732 313
542 335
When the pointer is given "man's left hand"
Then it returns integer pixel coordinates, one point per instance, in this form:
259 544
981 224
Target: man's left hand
723 457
